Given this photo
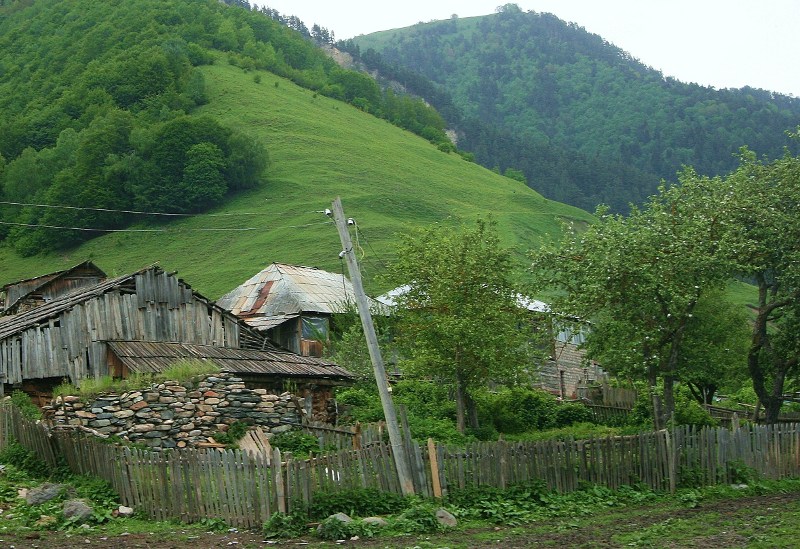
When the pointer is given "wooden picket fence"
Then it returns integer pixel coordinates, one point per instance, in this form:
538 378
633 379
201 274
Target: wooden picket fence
349 437
244 490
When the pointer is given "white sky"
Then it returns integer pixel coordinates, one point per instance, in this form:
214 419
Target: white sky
720 43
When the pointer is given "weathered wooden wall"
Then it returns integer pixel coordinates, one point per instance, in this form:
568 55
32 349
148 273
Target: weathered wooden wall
71 345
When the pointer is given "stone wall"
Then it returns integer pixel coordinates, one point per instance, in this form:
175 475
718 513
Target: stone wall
179 415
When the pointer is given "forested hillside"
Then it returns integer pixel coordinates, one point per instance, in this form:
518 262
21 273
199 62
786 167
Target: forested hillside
319 147
583 120
98 110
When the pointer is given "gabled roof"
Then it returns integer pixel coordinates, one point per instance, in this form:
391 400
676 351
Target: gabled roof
281 290
19 290
22 321
151 357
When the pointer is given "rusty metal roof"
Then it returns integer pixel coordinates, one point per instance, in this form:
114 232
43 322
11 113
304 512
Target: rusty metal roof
281 290
153 357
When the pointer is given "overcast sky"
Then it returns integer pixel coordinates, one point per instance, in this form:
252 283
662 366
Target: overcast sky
720 43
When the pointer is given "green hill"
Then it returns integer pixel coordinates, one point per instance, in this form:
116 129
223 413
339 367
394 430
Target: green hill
319 148
584 120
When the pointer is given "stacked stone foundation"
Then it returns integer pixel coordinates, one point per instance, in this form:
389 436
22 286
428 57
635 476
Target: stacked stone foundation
179 415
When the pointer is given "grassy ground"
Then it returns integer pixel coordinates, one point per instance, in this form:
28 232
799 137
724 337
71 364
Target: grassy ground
388 179
768 520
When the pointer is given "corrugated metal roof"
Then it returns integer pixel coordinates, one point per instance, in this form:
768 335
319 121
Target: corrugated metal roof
281 290
267 322
152 357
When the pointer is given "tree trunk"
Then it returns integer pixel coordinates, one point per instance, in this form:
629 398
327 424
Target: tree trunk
472 412
652 378
669 400
762 356
460 408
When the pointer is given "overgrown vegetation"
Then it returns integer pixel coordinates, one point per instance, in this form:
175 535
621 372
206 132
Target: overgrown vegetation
182 371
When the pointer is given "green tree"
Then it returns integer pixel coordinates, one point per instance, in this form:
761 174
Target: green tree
639 280
203 182
459 321
762 201
714 352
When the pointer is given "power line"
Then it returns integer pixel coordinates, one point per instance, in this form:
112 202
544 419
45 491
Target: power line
111 210
206 229
41 226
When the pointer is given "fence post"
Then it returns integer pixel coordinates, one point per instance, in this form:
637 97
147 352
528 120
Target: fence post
437 485
277 477
670 461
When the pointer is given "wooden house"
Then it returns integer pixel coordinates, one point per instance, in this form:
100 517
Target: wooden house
566 369
25 295
78 335
292 305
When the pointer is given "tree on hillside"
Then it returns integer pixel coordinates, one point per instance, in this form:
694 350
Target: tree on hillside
762 201
459 321
639 280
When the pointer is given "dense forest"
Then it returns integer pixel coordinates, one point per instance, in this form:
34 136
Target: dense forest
582 119
98 100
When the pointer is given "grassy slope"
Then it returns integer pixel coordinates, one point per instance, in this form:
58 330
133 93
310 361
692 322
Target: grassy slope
388 179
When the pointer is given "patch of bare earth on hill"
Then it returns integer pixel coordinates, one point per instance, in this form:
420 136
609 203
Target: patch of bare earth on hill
560 532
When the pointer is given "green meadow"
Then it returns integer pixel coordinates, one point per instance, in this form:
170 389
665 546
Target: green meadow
389 181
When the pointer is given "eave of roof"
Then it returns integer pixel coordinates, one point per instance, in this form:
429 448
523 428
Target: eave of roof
152 357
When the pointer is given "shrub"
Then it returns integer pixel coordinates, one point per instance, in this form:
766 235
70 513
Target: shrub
300 444
281 525
234 434
689 412
17 455
518 410
569 413
359 502
25 405
419 518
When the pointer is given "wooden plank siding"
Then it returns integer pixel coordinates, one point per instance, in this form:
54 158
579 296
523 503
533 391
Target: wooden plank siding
68 340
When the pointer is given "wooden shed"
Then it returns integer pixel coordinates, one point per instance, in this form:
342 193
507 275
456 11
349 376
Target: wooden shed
66 337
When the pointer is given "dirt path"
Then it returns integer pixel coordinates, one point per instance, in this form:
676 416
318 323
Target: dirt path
745 519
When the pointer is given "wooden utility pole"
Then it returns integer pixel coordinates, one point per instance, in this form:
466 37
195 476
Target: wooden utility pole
398 450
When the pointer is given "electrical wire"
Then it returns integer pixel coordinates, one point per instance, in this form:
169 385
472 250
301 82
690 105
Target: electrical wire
111 210
188 229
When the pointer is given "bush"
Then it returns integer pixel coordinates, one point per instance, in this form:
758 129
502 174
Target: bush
300 444
420 518
25 405
569 413
518 410
360 502
281 525
26 461
689 412
234 434
334 529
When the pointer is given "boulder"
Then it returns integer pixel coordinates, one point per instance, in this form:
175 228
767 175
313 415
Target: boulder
43 493
446 518
78 509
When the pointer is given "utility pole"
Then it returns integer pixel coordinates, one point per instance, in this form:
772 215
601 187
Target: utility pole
398 450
